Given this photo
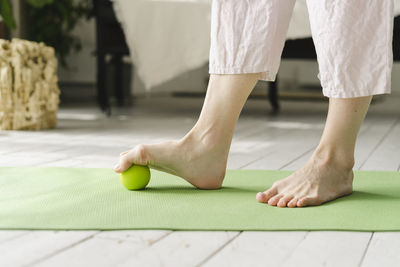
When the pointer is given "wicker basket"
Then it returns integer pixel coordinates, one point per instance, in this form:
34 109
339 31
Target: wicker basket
29 93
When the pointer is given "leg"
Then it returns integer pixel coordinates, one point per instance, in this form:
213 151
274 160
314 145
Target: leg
200 157
328 173
354 66
247 39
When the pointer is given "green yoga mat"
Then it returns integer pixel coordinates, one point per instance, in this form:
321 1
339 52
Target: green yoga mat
87 198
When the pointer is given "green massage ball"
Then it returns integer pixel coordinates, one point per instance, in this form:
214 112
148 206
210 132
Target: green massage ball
136 177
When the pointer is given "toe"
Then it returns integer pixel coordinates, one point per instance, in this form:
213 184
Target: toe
308 201
264 197
284 201
124 164
274 200
261 197
292 203
138 155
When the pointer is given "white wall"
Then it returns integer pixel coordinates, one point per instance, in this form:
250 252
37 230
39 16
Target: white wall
82 65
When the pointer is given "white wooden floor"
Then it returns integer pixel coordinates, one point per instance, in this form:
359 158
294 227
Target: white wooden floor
85 138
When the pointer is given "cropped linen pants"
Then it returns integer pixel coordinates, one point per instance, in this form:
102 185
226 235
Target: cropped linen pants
352 39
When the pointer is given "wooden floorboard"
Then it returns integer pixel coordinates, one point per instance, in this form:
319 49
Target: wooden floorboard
110 248
386 155
383 250
29 248
8 235
175 249
330 248
257 249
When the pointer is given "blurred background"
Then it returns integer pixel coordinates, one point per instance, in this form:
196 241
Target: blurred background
112 53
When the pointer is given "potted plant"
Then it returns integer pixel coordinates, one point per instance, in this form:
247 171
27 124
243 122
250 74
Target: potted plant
51 22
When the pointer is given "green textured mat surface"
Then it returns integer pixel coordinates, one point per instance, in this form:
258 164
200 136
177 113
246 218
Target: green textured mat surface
87 198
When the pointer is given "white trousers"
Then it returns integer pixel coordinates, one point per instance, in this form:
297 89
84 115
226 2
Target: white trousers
352 39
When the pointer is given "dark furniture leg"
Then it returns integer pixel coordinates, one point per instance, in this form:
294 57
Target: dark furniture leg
119 92
110 40
102 95
273 96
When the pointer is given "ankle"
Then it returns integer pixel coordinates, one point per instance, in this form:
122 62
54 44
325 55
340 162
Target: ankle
210 141
342 158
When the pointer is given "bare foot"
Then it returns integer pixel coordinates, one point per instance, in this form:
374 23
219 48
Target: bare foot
317 182
203 164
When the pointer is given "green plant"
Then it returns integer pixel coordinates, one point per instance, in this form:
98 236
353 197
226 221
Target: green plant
6 13
52 22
